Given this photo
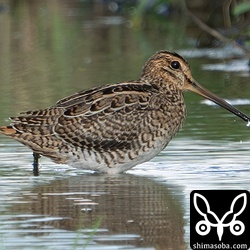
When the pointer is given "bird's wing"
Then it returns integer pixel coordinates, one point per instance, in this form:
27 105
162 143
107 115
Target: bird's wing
106 117
96 99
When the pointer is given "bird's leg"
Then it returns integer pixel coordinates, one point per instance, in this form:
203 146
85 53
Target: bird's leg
35 163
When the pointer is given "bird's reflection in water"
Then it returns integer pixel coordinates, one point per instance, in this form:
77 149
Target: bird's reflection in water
127 210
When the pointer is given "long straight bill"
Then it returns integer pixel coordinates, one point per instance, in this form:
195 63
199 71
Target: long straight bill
197 88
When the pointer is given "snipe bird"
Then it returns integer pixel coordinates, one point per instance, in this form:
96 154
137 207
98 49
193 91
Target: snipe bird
114 127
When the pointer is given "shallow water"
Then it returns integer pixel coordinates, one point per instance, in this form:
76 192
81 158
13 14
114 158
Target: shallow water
50 50
146 208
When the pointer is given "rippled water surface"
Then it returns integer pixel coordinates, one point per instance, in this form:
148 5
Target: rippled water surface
52 49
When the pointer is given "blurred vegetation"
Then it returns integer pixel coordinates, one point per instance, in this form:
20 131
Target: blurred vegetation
242 8
221 22
227 21
241 12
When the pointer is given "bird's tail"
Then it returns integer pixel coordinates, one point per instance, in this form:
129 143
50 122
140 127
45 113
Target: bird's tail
47 145
7 130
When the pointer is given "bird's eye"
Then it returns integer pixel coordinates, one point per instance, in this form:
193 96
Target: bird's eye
175 65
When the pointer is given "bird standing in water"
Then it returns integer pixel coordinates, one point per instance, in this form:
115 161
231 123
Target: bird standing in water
114 127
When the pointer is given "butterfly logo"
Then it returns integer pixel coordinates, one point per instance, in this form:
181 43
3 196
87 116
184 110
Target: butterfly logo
210 219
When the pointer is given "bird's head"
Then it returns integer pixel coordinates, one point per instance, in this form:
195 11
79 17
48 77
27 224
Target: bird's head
171 72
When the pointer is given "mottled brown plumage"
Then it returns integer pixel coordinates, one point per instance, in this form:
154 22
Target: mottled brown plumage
114 127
